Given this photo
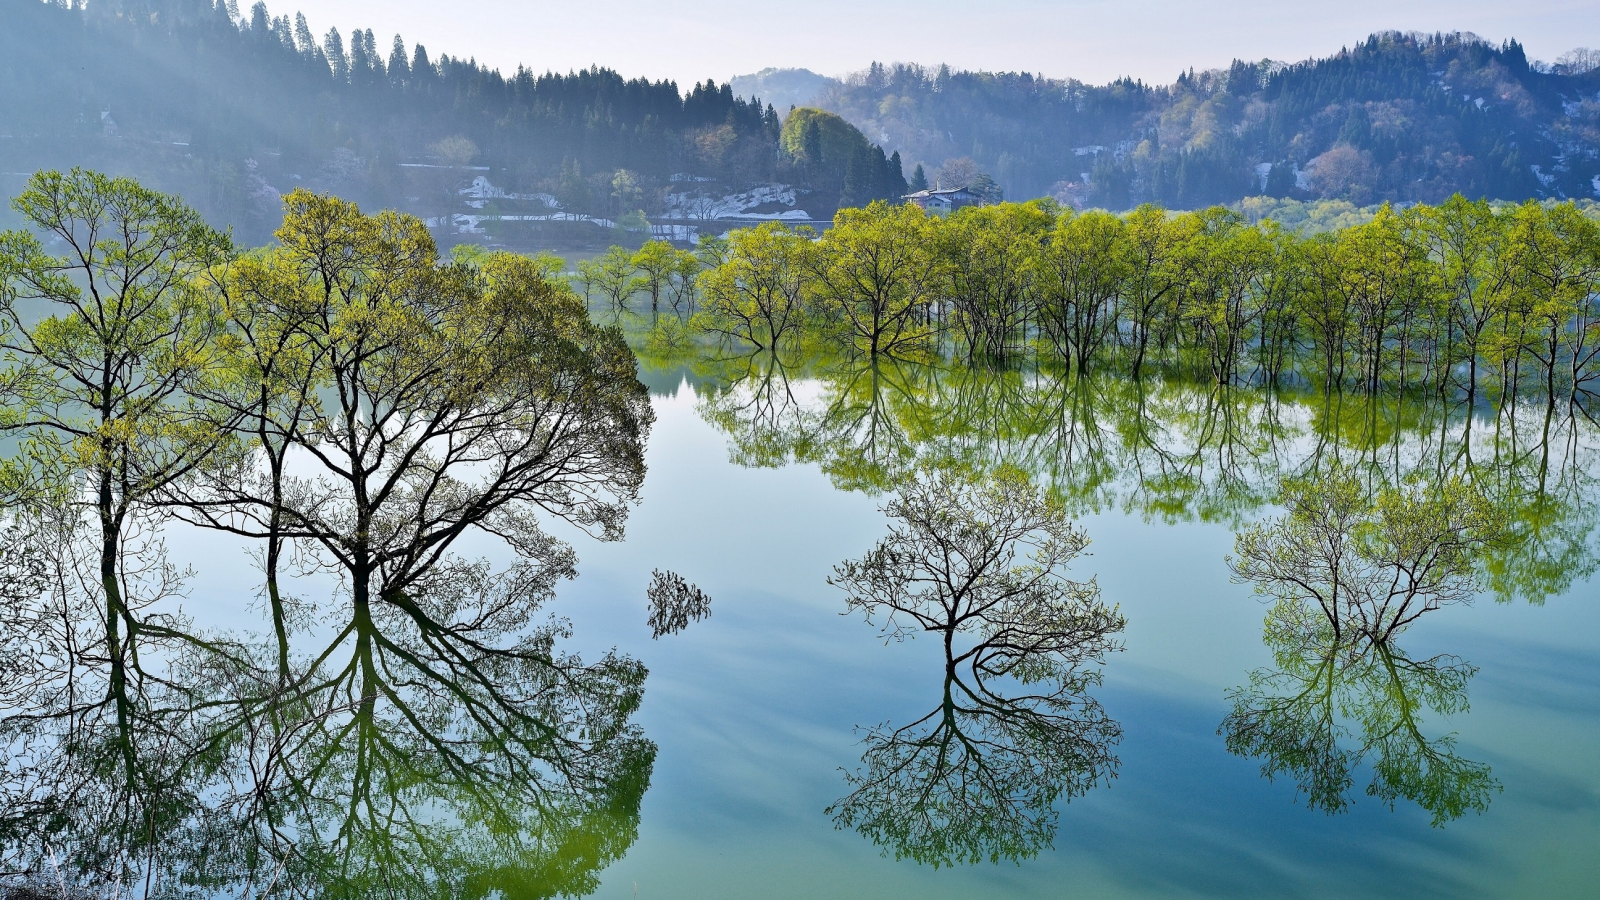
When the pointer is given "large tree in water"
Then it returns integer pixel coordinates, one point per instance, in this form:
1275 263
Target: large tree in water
444 400
107 332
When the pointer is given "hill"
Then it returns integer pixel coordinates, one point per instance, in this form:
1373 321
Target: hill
231 110
783 88
1404 117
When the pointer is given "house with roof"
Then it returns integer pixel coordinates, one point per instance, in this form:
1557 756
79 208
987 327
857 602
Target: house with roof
945 201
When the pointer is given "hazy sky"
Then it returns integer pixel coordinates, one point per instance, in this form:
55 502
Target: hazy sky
1094 40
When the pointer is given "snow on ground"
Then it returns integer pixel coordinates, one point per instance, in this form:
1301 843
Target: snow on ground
754 205
1263 172
482 190
466 223
703 207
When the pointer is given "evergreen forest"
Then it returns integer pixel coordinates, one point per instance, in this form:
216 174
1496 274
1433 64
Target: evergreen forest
231 109
1398 117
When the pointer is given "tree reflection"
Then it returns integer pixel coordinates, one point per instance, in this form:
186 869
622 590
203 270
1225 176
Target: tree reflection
862 427
1328 707
1177 451
417 758
1348 570
363 409
759 404
977 563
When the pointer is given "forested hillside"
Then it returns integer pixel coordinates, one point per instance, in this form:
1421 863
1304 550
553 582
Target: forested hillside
1400 117
232 110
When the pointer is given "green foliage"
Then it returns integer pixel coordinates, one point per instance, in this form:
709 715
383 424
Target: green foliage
1082 268
1329 708
1349 568
1305 216
110 350
611 275
816 138
1369 565
550 266
433 740
656 262
876 274
835 158
668 336
1167 449
757 292
1459 298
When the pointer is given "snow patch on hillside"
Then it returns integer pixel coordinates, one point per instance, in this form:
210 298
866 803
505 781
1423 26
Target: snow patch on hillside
764 203
482 190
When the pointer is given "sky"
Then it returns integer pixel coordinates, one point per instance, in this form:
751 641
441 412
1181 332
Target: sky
1092 40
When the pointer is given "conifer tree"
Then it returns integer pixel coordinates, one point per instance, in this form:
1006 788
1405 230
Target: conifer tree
919 179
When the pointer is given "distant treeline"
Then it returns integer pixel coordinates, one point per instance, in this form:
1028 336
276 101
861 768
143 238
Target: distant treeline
1401 117
1451 298
234 110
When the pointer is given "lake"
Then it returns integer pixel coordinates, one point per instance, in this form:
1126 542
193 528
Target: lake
1459 763
762 480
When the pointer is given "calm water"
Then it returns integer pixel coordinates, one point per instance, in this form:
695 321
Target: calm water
761 481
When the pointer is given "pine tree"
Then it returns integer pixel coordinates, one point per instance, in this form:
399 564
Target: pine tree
333 45
859 175
811 143
919 179
399 72
894 180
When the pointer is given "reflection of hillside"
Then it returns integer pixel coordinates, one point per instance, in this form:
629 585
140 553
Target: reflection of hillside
1172 450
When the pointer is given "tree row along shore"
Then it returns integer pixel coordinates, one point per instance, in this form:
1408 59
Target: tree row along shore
1456 299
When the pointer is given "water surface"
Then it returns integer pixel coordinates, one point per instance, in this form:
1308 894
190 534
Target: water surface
762 480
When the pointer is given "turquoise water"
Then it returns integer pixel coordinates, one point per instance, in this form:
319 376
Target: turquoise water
761 481
756 711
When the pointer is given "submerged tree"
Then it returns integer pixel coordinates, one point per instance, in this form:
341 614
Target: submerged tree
978 564
1330 707
757 294
992 253
1348 572
347 396
108 348
656 262
1085 267
1370 565
877 273
612 274
447 400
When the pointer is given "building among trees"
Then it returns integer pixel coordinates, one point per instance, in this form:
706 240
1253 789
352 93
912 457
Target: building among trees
943 202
